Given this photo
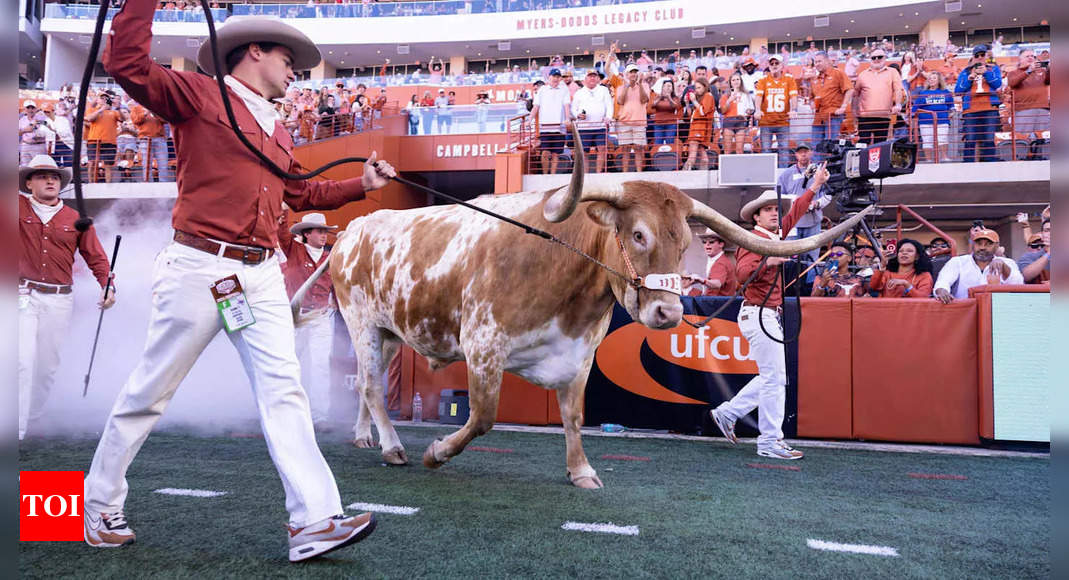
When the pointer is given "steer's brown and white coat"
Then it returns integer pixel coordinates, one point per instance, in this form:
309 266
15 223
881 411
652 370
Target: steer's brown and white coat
456 285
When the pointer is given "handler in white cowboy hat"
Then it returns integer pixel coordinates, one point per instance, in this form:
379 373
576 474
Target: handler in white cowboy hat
315 327
767 392
226 235
46 259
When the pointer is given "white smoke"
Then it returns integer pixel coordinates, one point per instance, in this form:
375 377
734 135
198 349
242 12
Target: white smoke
215 396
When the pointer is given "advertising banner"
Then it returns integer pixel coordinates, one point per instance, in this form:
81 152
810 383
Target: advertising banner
669 379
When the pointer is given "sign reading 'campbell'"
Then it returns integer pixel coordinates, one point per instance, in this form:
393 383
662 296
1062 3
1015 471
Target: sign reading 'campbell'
469 150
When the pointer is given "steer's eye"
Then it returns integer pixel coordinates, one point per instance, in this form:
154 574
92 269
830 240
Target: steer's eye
639 238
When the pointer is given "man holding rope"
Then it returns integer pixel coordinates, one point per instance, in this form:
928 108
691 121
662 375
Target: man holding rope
759 322
222 270
46 260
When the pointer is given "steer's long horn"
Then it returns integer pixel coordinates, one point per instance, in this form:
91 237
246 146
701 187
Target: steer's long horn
561 204
731 232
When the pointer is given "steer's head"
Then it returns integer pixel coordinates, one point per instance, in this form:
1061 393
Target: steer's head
650 220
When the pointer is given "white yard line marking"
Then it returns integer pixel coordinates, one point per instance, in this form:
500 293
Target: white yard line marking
608 528
383 509
852 548
190 492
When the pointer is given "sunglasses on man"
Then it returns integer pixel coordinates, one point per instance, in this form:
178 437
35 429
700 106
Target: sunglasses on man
1035 246
877 58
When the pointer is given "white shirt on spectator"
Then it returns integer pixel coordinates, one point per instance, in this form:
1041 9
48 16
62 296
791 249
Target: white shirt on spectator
597 103
748 81
552 106
964 271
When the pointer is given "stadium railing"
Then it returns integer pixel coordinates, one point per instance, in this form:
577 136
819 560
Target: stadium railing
89 12
395 9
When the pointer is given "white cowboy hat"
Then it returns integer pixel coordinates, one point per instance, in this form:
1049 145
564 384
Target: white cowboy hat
43 163
309 222
767 197
708 233
238 31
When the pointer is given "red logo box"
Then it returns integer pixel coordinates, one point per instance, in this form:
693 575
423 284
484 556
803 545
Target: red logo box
50 506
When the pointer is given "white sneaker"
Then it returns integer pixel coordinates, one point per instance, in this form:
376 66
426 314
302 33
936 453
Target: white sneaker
726 427
329 534
780 450
107 530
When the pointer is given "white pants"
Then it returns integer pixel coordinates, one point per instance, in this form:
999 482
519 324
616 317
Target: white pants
43 322
184 319
315 337
767 392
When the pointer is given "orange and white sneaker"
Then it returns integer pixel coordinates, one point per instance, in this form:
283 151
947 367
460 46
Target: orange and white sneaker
107 530
328 535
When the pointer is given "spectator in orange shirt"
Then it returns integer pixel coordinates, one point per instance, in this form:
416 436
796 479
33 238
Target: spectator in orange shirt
878 98
665 110
700 137
736 106
979 84
908 274
775 98
152 143
103 123
1030 84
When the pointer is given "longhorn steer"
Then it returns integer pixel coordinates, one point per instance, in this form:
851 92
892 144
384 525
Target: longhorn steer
457 285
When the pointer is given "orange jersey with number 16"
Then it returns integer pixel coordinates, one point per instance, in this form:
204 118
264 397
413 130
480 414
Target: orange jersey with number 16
776 95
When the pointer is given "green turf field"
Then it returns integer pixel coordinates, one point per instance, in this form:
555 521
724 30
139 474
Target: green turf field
701 511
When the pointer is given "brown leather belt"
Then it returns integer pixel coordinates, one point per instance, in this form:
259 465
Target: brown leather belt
778 309
44 288
244 254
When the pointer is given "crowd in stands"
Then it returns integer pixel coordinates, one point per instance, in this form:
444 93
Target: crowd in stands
853 267
123 141
701 107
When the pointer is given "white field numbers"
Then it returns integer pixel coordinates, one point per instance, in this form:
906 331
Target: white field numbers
668 282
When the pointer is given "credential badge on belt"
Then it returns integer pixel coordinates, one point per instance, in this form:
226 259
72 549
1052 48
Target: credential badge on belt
232 304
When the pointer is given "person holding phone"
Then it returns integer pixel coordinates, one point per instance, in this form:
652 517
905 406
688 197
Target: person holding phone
978 85
735 107
1030 84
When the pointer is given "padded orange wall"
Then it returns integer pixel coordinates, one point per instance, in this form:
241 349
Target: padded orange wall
825 393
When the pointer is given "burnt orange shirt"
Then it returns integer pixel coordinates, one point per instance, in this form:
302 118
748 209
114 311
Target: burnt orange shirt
747 261
921 282
300 266
105 128
723 270
46 251
224 191
829 92
148 125
776 95
1030 90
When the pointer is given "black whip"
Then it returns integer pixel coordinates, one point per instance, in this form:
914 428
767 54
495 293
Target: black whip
84 221
100 320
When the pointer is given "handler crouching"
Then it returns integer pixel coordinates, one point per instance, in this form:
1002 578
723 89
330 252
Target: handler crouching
223 262
767 392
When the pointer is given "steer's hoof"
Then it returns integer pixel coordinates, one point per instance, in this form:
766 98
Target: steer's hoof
430 460
587 482
395 456
366 442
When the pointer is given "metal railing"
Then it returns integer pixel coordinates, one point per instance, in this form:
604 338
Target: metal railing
89 12
402 9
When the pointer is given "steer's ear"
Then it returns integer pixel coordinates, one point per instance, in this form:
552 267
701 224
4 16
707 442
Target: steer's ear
603 214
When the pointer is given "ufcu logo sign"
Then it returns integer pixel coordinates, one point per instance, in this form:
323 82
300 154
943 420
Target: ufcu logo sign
717 348
50 506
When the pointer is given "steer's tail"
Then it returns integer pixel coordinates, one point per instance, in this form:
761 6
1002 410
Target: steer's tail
295 303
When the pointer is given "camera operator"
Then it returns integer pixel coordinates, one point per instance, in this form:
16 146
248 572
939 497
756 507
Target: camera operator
103 121
793 181
979 84
1030 84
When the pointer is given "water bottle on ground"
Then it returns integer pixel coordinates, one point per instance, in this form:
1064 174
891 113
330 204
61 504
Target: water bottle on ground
417 409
